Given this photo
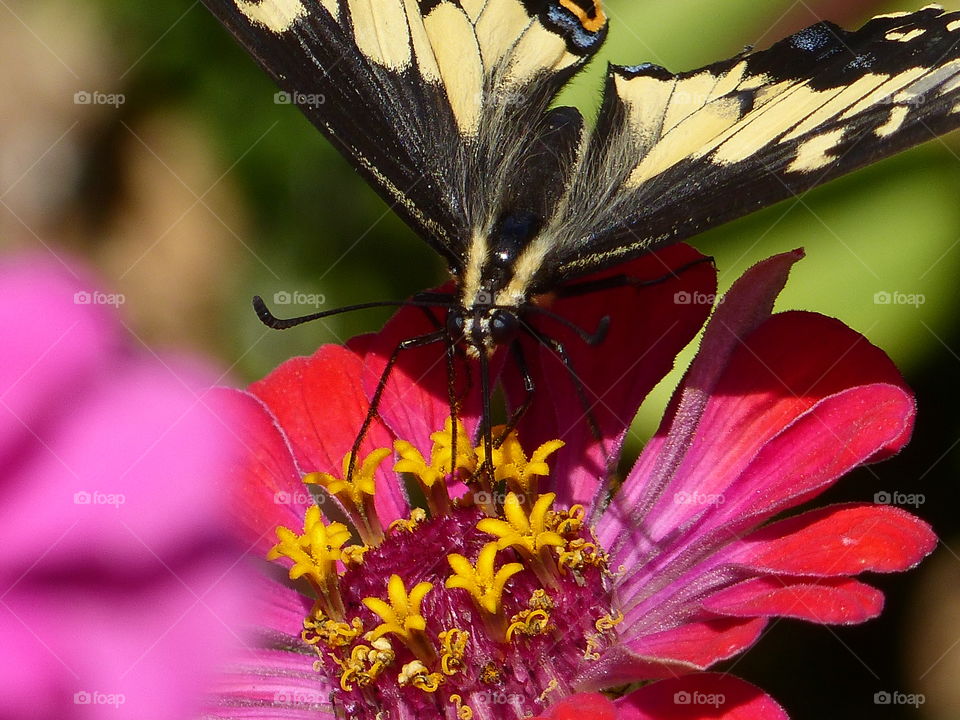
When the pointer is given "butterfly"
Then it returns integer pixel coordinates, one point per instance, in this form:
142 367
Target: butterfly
446 108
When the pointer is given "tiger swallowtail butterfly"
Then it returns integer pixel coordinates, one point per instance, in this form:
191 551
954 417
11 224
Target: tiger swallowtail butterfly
446 108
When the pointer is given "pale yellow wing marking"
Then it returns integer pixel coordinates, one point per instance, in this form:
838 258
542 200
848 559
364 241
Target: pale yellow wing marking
884 91
537 50
426 60
686 138
833 103
278 16
381 32
815 153
458 58
499 25
473 8
897 115
905 35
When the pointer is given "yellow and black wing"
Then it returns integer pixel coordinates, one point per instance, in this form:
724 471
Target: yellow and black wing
435 102
673 155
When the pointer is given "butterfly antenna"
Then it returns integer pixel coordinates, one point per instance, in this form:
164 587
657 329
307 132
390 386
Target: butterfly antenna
275 323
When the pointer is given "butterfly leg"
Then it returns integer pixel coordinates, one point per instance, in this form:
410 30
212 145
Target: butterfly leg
560 351
529 388
408 344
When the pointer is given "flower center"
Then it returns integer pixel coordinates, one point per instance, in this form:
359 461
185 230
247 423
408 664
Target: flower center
486 605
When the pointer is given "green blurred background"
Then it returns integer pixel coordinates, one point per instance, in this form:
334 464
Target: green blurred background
199 190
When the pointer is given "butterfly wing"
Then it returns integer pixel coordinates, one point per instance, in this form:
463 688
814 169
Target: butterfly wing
426 98
673 155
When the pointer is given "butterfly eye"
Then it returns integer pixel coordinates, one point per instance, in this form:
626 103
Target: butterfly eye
503 326
455 324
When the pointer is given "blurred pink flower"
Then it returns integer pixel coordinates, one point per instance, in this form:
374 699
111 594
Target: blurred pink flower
119 587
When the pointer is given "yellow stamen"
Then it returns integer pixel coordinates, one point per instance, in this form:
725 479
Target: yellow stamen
453 647
568 523
315 554
417 516
365 664
529 623
356 492
528 534
464 712
520 473
414 673
482 582
331 633
401 616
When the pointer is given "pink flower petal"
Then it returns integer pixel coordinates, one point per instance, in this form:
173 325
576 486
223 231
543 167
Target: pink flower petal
766 389
319 403
829 601
837 540
701 643
648 327
58 344
122 583
745 307
705 696
620 665
277 683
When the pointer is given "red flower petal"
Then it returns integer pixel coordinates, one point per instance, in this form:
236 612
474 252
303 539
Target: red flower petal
838 540
701 643
705 696
583 705
320 405
648 327
828 601
266 488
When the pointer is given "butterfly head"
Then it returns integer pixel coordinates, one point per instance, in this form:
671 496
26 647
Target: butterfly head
492 295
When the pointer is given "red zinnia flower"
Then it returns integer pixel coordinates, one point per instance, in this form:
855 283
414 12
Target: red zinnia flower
427 595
